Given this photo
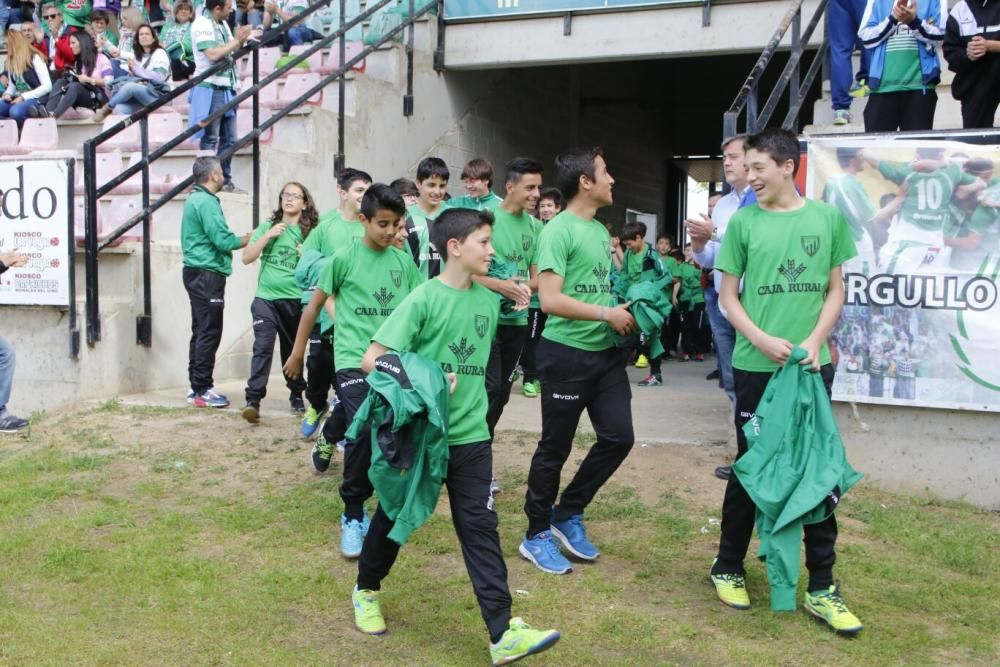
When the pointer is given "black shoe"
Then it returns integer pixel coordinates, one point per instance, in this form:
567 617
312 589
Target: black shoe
252 412
714 375
724 472
297 404
11 424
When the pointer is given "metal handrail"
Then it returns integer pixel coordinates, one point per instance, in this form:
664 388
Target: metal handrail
93 192
747 97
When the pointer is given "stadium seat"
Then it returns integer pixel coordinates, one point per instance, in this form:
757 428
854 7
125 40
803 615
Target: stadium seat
295 86
125 141
315 60
268 60
244 123
108 166
268 95
351 49
165 127
122 209
75 113
159 182
8 139
39 134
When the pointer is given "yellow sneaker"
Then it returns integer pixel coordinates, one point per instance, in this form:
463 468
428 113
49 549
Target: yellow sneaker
731 589
828 606
642 362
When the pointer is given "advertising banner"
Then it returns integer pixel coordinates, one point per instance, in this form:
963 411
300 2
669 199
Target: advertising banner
921 321
35 209
467 9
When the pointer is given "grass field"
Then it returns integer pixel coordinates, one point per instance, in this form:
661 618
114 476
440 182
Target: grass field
149 536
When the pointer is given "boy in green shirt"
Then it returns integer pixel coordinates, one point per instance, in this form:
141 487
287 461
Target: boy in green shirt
640 258
515 242
477 177
367 281
452 320
549 205
789 252
689 297
275 309
580 367
432 183
207 246
338 228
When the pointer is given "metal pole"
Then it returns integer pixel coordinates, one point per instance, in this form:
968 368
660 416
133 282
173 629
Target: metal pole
144 323
74 325
339 160
408 97
439 52
752 108
793 90
90 244
255 60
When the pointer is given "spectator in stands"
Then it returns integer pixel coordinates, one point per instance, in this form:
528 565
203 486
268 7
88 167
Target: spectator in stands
8 422
87 87
28 80
57 46
250 12
149 71
903 69
214 41
207 245
34 35
176 39
843 18
5 11
75 13
284 11
972 49
131 19
101 28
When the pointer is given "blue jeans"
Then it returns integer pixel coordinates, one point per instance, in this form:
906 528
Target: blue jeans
6 373
843 20
131 96
725 340
19 112
221 134
301 34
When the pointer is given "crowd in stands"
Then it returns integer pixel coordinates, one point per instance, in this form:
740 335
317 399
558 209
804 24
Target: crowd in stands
110 56
900 66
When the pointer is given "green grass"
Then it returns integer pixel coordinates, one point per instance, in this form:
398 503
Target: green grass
113 553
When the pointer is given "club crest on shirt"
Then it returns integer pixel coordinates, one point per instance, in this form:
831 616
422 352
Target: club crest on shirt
526 242
482 325
397 278
810 244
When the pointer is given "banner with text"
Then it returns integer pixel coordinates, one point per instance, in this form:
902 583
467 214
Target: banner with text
921 321
35 209
468 9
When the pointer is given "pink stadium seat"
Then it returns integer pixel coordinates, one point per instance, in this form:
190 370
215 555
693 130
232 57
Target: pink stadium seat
297 85
125 141
39 134
268 62
268 95
8 139
181 105
159 181
244 123
108 165
73 113
333 60
80 223
315 61
165 127
122 209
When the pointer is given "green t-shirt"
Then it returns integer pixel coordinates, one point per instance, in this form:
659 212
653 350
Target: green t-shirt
422 223
785 259
539 226
928 197
845 192
632 265
515 243
902 63
985 221
690 276
75 13
459 341
367 285
669 263
579 251
485 203
277 263
333 233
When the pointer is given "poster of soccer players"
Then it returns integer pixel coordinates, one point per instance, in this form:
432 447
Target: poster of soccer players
921 322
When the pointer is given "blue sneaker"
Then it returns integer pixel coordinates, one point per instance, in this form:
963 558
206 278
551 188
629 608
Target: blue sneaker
310 421
190 396
573 536
211 399
352 535
543 552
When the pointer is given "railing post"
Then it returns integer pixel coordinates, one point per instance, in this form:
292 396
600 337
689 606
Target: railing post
90 243
74 324
729 125
339 161
752 108
408 97
255 60
144 323
793 90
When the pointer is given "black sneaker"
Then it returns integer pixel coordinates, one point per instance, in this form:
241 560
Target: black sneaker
724 472
297 404
714 375
11 424
252 412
